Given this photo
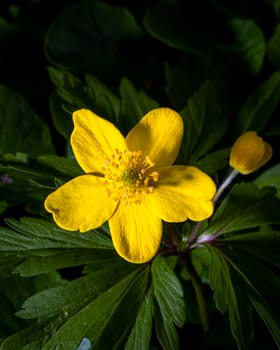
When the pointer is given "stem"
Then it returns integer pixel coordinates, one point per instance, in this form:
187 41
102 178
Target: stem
194 233
225 184
199 291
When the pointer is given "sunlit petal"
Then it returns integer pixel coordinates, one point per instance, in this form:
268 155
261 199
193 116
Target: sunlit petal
158 134
93 140
182 193
80 204
135 232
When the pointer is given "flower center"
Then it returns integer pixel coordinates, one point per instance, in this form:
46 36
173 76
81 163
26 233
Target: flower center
129 176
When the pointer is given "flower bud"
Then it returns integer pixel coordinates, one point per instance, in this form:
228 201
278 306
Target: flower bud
249 153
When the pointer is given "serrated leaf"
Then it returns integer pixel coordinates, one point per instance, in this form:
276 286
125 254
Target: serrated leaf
257 275
165 331
204 124
67 299
268 315
270 177
134 104
250 43
31 338
262 286
61 116
141 333
38 246
21 129
169 298
109 103
214 161
106 328
35 233
73 93
97 318
63 165
231 297
263 244
259 106
168 291
245 206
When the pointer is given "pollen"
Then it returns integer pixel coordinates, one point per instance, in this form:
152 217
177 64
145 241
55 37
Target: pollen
129 176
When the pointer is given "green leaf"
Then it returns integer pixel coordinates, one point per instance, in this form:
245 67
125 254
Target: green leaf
245 206
250 43
134 104
185 76
259 106
28 180
230 296
61 115
63 165
257 275
141 333
169 298
104 320
165 331
72 93
214 161
106 329
268 316
85 37
263 245
103 97
38 246
67 299
179 27
168 291
273 49
204 124
263 287
31 338
21 129
270 177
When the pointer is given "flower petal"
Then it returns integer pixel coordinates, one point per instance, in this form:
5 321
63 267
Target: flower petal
182 193
80 204
249 153
93 140
158 135
135 232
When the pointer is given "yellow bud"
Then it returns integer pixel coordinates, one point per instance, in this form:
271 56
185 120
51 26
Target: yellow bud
249 153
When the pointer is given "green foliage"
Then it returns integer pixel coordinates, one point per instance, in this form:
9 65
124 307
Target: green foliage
250 43
259 106
83 39
204 123
245 207
216 63
169 303
21 129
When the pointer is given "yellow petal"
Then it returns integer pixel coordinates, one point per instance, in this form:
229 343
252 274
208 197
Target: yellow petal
158 134
249 153
93 140
136 234
80 204
182 193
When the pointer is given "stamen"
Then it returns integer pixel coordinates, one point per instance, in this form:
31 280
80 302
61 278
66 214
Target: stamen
128 176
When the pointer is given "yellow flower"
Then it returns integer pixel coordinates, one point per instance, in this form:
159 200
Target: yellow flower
249 153
131 182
